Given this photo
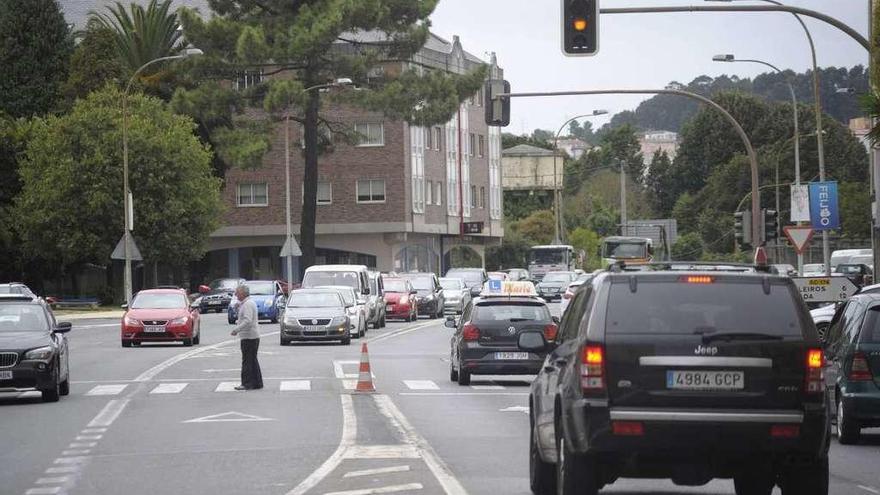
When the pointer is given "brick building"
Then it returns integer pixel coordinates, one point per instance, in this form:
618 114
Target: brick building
397 201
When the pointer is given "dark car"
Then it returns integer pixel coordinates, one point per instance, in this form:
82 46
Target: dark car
689 376
429 293
217 295
485 339
474 278
858 273
853 374
33 348
554 284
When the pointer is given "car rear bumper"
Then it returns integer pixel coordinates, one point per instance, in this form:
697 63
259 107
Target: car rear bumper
722 436
453 306
864 407
482 361
428 308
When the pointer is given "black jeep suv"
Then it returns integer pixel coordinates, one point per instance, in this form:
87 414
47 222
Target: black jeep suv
689 375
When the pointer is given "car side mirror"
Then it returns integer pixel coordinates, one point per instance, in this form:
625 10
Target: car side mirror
532 342
450 322
555 319
204 289
63 327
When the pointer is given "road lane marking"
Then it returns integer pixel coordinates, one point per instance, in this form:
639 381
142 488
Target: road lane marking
44 491
94 326
487 387
226 387
54 480
869 489
231 416
295 385
402 451
220 370
421 385
441 471
349 384
62 470
373 472
378 491
71 460
76 452
400 332
463 394
94 430
349 435
89 437
169 388
520 409
78 445
106 390
107 415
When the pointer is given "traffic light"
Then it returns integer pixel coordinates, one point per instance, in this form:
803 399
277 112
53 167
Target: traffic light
742 223
497 109
769 225
580 27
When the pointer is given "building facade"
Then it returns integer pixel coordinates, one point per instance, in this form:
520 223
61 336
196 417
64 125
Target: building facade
405 198
653 141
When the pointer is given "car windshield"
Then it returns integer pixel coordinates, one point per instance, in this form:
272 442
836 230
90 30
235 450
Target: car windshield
497 276
511 313
451 284
395 286
849 269
814 267
863 260
663 307
323 279
22 318
158 301
315 300
625 250
11 289
422 283
547 256
261 288
224 283
557 277
470 277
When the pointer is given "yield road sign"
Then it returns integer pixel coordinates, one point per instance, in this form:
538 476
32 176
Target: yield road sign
290 248
799 237
133 251
825 289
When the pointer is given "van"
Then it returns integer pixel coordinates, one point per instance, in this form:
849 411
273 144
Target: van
844 255
354 276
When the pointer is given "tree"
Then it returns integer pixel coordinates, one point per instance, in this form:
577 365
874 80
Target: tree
94 63
70 207
143 34
309 43
35 45
13 136
659 184
536 228
512 253
588 241
855 210
510 140
688 247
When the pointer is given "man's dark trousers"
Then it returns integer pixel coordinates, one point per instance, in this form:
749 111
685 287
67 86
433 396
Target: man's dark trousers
251 376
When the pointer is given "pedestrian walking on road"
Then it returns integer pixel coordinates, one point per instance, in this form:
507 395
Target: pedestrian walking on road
247 329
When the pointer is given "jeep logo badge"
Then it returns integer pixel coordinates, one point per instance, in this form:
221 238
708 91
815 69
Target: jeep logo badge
705 351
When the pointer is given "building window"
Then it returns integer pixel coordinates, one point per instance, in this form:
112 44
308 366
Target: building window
429 193
325 193
371 191
371 133
473 196
248 79
472 143
438 138
481 145
482 197
438 194
253 194
429 138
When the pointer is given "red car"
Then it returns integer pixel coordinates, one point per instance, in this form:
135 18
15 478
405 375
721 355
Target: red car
160 315
400 301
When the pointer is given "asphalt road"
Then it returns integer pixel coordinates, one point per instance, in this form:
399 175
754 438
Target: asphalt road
159 419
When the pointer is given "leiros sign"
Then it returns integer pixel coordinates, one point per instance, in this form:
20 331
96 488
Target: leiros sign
824 289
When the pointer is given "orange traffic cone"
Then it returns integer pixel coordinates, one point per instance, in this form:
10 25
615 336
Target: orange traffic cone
365 376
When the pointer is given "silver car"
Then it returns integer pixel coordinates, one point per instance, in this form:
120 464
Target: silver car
458 295
356 309
315 314
376 301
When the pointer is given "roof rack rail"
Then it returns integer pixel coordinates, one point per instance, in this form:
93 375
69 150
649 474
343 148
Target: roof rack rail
715 266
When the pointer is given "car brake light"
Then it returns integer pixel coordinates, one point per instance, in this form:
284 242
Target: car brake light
697 279
785 431
627 428
860 371
815 382
550 332
593 369
470 332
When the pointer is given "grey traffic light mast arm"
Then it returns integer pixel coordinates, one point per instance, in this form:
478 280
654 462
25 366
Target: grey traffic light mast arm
753 157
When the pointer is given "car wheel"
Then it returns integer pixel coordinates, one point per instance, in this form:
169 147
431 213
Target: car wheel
64 388
542 475
52 394
809 479
346 341
203 310
464 377
382 322
284 342
848 430
198 338
187 342
126 343
575 474
453 375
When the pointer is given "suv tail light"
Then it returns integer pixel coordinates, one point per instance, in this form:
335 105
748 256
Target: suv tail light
593 369
860 371
550 332
470 332
815 381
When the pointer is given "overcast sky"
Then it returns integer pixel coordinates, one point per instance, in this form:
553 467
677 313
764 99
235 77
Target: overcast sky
637 50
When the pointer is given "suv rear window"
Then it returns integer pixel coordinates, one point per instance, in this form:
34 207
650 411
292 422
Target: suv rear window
870 333
673 307
511 312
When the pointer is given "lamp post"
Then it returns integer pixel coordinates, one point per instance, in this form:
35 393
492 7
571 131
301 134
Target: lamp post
128 207
730 58
557 195
289 236
817 103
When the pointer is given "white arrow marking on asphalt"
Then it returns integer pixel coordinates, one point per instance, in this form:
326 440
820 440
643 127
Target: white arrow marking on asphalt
227 417
377 491
522 409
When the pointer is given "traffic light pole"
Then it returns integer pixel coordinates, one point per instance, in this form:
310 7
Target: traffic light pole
753 157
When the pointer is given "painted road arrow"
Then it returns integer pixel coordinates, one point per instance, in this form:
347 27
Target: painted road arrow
227 417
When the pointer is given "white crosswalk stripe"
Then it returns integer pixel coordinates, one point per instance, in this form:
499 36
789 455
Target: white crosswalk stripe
169 388
106 390
226 387
421 385
296 385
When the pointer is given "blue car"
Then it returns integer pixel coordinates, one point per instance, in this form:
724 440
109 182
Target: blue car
268 296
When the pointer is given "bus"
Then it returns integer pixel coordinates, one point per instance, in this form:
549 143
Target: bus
633 250
552 258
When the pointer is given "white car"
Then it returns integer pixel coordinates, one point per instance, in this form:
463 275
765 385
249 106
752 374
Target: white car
357 311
